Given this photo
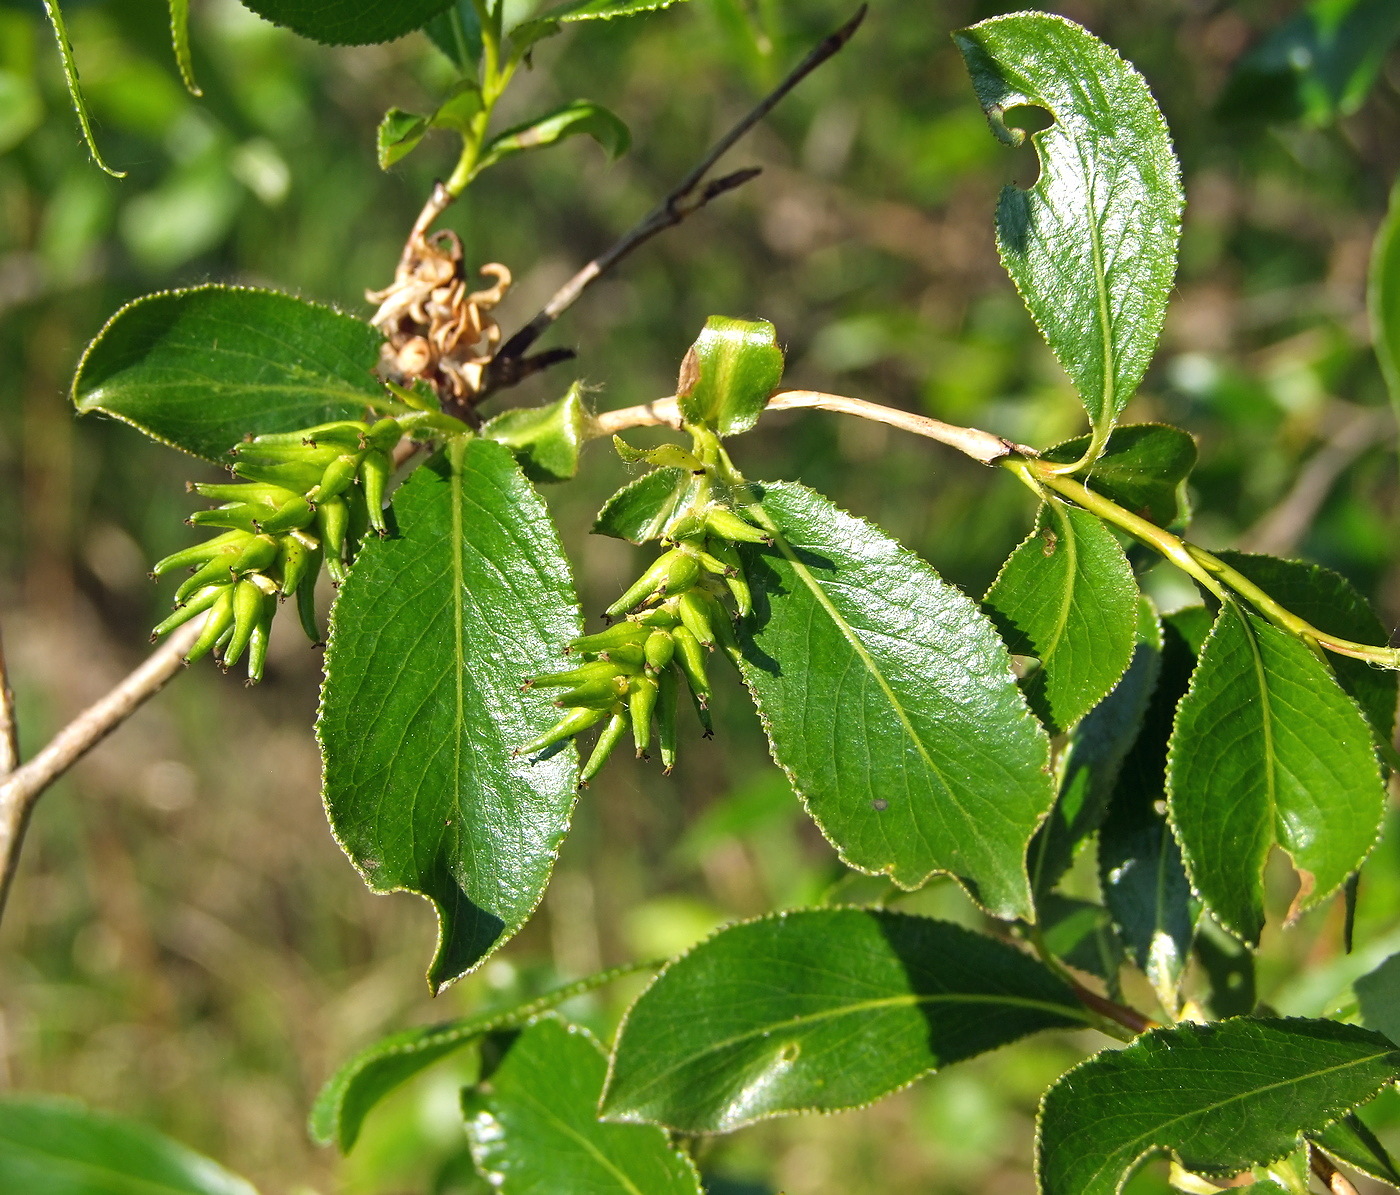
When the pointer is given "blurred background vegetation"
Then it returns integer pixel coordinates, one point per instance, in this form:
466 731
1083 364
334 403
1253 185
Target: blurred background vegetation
185 943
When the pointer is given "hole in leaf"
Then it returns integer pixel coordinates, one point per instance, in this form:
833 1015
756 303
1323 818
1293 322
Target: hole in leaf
1021 122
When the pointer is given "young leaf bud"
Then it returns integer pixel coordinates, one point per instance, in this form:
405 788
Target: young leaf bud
611 736
641 702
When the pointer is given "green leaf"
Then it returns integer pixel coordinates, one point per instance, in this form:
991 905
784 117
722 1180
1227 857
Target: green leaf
534 1127
1067 597
1232 980
1317 67
457 33
57 1147
422 709
728 375
1098 747
640 510
1384 297
820 1009
199 369
180 42
1378 994
1092 246
1351 1141
1221 1098
1141 875
1144 466
546 440
349 1095
399 134
349 22
1267 750
1081 933
578 117
890 703
75 91
527 33
1331 603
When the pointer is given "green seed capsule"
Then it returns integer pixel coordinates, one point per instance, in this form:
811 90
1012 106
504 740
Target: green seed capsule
709 562
255 452
345 433
335 478
332 520
292 515
297 476
572 723
685 526
584 674
298 555
216 572
702 711
684 571
641 702
242 516
245 491
384 436
659 650
257 649
666 698
258 554
197 604
200 554
695 611
306 607
725 524
618 635
249 608
375 468
611 736
628 657
648 585
601 694
216 624
691 657
663 616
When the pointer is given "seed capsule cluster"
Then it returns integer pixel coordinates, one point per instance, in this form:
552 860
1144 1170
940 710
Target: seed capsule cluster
671 620
302 499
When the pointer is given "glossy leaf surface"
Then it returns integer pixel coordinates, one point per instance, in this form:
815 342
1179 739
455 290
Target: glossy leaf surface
1384 298
1221 1098
1141 874
57 1147
534 1127
1330 603
432 635
546 440
1350 1140
1266 750
1067 597
574 119
1144 467
820 1009
349 22
640 510
728 374
889 701
202 368
1092 246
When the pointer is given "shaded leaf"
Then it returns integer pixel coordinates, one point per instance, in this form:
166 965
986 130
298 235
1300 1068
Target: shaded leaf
534 1128
180 42
1330 603
457 33
398 135
75 90
820 1009
1378 994
1098 747
1267 750
1092 246
1383 298
1144 467
58 1147
729 374
890 703
1081 933
546 440
640 510
200 369
422 709
1067 597
547 24
1220 1098
1231 979
576 118
348 1096
349 22
1141 875
1351 1141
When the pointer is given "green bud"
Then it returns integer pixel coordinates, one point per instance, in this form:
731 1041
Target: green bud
641 702
572 723
297 476
375 469
602 694
691 657
197 604
696 609
200 553
725 524
618 635
218 621
658 650
335 478
611 736
667 694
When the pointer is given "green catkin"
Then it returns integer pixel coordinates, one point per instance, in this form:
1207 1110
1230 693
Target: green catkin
725 524
218 621
691 657
641 702
658 651
574 722
666 700
611 736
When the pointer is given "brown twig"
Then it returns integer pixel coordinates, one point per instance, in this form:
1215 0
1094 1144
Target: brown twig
979 445
9 727
686 198
21 789
1335 1181
1129 1018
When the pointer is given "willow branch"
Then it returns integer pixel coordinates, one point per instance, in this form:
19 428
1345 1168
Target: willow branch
22 788
687 197
9 727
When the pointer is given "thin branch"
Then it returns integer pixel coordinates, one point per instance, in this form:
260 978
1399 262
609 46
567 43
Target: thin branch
22 788
1336 1182
9 727
686 198
970 441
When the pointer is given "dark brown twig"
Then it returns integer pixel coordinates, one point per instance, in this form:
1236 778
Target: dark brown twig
9 728
1335 1181
686 198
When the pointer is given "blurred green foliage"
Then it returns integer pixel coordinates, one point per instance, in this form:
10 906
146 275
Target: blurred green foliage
185 943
